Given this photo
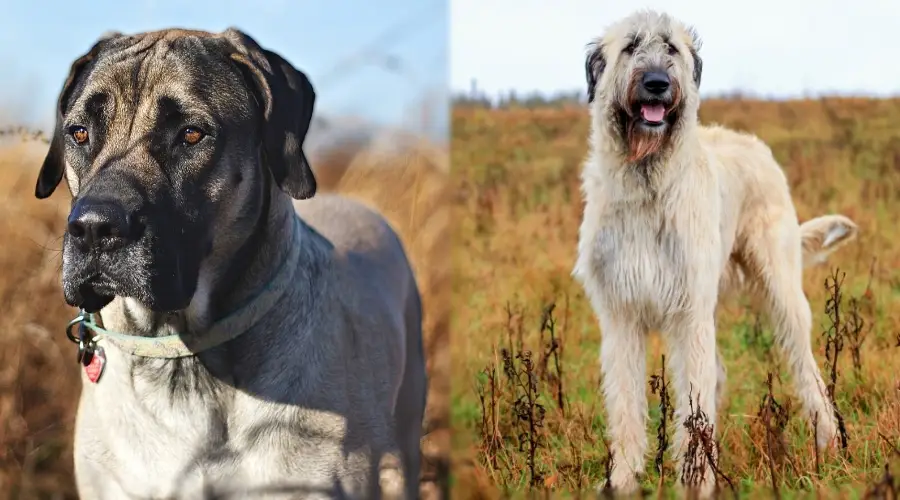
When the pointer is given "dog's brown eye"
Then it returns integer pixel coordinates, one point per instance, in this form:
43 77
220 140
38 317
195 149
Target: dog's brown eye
629 49
191 135
672 49
80 134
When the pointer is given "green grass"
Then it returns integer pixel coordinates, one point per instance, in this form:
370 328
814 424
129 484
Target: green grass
517 215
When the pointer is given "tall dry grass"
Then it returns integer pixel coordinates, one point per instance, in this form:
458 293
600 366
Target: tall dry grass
526 407
39 378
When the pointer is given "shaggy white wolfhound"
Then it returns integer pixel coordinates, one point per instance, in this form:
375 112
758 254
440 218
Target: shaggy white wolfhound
675 212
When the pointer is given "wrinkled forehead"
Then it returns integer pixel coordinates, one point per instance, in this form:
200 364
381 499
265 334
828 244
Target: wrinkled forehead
646 29
190 73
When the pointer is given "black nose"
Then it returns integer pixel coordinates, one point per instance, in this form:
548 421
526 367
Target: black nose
656 82
99 225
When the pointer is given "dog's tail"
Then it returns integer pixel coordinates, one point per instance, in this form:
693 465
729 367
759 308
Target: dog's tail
823 235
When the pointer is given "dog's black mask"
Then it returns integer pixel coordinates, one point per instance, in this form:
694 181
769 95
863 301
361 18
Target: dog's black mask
159 135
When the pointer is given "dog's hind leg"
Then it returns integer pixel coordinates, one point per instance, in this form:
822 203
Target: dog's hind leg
778 267
623 366
408 431
721 376
410 408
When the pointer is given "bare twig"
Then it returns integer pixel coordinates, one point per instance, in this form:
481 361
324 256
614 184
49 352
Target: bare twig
834 344
702 450
774 418
552 349
660 386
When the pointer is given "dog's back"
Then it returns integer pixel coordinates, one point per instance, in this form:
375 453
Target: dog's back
751 177
377 272
755 190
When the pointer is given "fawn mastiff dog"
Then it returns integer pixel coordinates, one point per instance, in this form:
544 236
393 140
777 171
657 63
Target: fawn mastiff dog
675 213
231 348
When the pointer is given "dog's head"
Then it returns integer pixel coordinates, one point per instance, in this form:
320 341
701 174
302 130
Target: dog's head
168 139
643 77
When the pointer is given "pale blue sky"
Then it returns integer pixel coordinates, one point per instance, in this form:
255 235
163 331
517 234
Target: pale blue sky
777 48
326 39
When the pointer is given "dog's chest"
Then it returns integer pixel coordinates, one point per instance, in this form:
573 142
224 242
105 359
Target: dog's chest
222 443
639 260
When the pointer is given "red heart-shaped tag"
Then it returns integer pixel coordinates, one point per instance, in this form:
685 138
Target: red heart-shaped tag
95 368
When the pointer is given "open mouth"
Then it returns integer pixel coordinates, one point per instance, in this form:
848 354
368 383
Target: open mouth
652 113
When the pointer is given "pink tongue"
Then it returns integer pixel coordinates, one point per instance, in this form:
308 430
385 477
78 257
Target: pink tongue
653 112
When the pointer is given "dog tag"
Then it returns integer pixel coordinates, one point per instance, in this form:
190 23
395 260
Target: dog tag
94 368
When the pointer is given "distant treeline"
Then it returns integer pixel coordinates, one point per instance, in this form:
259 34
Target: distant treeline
513 99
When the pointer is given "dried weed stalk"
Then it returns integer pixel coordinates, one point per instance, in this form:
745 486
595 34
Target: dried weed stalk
552 349
774 417
488 395
607 491
523 383
511 412
702 450
856 333
834 343
659 385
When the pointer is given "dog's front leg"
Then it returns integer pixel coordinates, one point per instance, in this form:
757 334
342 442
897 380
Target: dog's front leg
624 370
691 342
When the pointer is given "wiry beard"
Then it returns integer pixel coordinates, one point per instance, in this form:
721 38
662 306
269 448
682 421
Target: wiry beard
642 143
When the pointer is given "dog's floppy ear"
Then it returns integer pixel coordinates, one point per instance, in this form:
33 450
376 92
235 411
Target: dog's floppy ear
55 162
698 61
594 64
698 67
288 98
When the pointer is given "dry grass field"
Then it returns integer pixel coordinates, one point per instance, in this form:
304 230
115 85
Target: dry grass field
39 379
526 410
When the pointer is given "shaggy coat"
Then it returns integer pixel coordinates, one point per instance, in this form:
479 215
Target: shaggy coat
674 213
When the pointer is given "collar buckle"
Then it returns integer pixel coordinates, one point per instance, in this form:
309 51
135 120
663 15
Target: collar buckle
83 337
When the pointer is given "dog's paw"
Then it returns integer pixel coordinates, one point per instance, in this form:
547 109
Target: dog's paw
622 483
702 491
827 433
390 478
698 484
